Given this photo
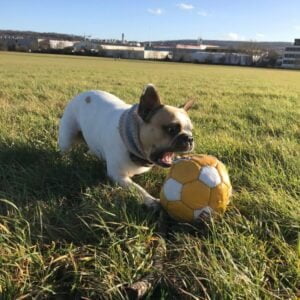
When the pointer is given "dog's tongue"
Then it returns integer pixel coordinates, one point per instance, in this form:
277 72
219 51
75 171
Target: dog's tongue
168 157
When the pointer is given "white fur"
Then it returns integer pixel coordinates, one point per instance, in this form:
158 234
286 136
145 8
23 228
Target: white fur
96 114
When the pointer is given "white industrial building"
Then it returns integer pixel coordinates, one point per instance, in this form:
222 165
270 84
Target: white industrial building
184 53
132 52
157 54
240 59
121 51
55 44
291 56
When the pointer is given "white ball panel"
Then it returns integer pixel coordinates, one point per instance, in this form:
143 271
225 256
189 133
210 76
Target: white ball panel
172 190
210 176
204 213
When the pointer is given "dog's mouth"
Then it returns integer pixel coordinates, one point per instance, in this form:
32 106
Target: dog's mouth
165 158
180 145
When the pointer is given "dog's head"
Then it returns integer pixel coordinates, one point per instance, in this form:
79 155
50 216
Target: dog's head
165 130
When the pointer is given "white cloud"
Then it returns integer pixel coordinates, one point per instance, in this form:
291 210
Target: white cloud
202 13
156 11
297 27
260 35
235 36
185 6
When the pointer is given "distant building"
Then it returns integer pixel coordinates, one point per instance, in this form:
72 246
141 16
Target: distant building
19 43
86 45
157 55
225 58
184 53
291 56
121 51
45 44
195 47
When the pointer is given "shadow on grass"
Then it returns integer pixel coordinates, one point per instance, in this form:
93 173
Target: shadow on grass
62 196
29 173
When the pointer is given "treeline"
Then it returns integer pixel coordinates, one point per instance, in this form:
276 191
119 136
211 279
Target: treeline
41 35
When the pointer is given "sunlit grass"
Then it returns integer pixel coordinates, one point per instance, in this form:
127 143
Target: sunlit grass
66 230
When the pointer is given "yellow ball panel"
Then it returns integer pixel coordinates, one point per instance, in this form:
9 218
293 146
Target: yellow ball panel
205 160
185 171
180 212
219 198
195 194
223 173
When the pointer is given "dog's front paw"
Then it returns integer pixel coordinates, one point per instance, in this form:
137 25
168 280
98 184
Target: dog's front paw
152 202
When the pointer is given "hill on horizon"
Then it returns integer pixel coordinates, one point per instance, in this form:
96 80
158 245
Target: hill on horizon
276 45
45 35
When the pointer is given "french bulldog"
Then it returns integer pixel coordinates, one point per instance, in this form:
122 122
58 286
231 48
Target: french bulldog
130 138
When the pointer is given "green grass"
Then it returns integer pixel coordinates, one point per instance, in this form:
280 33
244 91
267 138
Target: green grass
66 232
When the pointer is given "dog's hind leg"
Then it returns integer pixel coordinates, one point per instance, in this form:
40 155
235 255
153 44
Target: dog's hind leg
68 130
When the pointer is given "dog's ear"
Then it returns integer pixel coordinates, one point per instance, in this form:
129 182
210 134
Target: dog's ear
187 105
149 102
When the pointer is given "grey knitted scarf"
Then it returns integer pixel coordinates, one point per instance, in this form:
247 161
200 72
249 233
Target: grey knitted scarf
129 128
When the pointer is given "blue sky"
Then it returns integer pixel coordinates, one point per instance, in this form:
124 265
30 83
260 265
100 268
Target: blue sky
264 20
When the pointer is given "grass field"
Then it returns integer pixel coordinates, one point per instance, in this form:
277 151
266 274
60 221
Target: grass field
66 232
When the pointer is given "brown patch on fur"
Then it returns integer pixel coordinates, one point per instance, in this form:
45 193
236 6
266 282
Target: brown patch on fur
88 99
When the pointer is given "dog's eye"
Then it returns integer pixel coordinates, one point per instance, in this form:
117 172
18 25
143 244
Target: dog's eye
172 129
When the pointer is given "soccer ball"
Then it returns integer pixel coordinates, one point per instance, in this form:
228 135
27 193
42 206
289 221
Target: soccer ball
196 188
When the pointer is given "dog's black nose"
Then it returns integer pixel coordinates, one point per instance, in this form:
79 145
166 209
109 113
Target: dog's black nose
190 139
186 139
